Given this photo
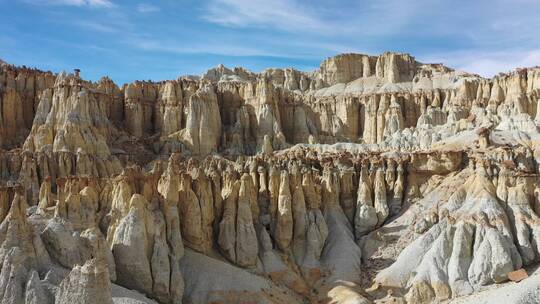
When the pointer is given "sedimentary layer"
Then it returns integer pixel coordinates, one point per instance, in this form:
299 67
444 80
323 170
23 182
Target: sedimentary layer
371 179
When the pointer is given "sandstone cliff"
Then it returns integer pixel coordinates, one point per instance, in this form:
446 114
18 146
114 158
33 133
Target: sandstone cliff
371 179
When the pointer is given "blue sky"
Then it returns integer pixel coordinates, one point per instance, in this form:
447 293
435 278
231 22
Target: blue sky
164 39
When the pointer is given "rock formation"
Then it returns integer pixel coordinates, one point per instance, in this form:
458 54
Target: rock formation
373 179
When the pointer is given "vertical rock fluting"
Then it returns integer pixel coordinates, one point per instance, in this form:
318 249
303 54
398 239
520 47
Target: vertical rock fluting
20 89
86 284
237 237
365 218
430 171
246 238
380 200
395 67
203 122
140 98
227 226
131 247
191 216
147 253
168 115
284 218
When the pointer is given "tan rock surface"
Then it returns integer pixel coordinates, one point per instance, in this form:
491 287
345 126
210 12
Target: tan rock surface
86 284
372 179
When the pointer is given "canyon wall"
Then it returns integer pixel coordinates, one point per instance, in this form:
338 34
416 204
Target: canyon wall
373 178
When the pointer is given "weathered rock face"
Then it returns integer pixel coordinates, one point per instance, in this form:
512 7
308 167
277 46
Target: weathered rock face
69 118
20 89
203 122
272 187
86 284
391 67
347 67
395 68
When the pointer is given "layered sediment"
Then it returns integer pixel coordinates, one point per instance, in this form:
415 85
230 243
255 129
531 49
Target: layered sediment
370 179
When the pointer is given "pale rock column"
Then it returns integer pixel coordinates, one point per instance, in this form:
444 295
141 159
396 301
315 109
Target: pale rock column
394 119
86 284
347 197
130 247
246 237
380 202
191 216
284 223
227 226
365 218
370 120
384 103
273 187
398 188
203 190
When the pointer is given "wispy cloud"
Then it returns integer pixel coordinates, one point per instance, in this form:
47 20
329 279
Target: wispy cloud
111 21
488 63
91 3
335 18
96 26
147 8
481 36
222 49
282 14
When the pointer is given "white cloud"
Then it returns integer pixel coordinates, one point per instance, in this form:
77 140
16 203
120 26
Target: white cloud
481 21
481 36
486 63
282 14
224 49
96 26
329 18
91 3
493 64
147 8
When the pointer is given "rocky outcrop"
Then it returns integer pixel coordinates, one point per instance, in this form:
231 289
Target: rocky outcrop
347 67
391 67
86 284
130 247
469 244
284 186
20 89
284 218
395 68
237 238
203 122
69 119
144 261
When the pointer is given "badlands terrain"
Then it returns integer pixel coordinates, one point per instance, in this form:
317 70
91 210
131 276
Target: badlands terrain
374 179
